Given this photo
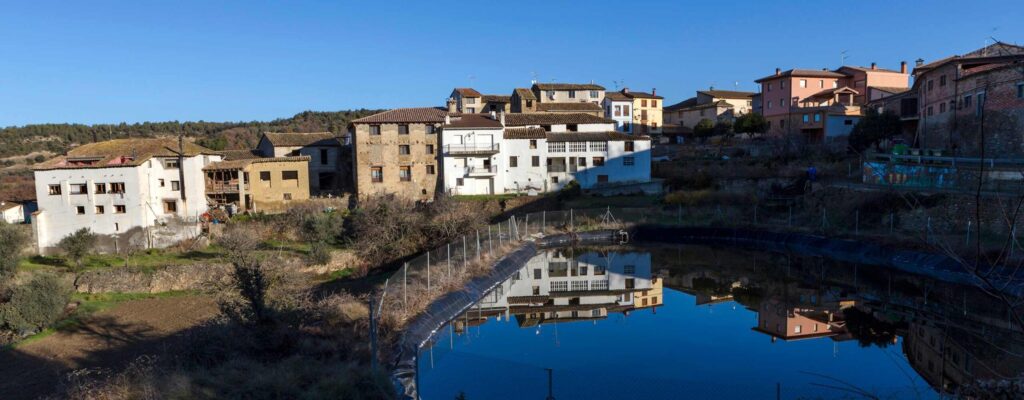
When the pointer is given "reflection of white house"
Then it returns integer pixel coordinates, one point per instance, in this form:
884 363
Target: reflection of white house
116 187
556 285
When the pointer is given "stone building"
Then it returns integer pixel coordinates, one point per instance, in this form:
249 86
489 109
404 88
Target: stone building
328 165
258 184
523 100
397 152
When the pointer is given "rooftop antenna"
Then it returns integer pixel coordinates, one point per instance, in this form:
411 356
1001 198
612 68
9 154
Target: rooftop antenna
533 79
736 84
471 78
842 58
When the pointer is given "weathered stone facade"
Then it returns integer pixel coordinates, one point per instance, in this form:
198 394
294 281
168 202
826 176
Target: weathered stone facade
412 175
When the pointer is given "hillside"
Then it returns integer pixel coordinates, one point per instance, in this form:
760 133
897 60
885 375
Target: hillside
23 146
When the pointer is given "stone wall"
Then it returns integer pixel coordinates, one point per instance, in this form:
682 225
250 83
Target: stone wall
172 278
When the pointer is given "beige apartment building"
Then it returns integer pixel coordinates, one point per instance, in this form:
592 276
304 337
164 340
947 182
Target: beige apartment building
258 184
396 152
647 111
568 93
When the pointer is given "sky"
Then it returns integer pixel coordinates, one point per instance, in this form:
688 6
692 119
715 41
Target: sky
133 61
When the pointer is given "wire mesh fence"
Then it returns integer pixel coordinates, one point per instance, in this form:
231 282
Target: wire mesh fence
446 268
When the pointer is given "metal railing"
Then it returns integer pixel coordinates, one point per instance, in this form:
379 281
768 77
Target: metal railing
493 169
471 148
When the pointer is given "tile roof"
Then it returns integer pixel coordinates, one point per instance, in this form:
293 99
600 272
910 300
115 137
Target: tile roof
299 139
593 136
993 50
831 91
643 95
7 205
398 115
121 153
690 102
523 119
239 154
727 94
473 121
890 89
525 133
240 164
569 107
714 104
524 94
496 98
868 69
468 92
567 86
617 96
813 73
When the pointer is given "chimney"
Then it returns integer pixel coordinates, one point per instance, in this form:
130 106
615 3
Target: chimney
625 90
451 105
874 66
654 91
903 67
447 119
712 87
919 62
501 116
494 115
778 71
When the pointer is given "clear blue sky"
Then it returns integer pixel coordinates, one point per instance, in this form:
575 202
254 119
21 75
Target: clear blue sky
114 61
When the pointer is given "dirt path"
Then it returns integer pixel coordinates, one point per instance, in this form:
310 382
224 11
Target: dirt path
108 339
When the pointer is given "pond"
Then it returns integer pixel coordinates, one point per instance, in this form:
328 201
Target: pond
701 322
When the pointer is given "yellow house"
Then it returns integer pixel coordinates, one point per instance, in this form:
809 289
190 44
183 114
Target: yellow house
258 184
647 115
652 297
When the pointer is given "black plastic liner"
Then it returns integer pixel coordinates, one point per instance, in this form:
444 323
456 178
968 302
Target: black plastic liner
932 265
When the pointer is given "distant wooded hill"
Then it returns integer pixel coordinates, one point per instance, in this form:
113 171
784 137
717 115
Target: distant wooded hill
58 138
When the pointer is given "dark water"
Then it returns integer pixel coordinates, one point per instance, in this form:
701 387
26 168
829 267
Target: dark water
697 322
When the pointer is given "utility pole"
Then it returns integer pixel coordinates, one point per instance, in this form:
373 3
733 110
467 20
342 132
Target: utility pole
551 394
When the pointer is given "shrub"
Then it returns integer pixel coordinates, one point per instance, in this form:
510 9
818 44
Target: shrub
77 245
11 242
570 190
319 253
34 305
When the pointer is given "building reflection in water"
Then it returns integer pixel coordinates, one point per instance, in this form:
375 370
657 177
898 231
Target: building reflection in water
565 285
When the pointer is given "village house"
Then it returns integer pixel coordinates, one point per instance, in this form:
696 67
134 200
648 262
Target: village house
568 93
820 104
619 108
130 192
11 212
647 111
711 104
329 167
523 100
465 100
257 184
397 152
471 143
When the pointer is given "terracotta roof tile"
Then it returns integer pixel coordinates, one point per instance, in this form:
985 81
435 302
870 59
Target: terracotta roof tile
468 92
121 153
567 86
525 133
399 115
593 136
473 121
727 94
524 94
523 119
690 102
239 164
239 154
569 107
617 96
812 73
496 98
299 139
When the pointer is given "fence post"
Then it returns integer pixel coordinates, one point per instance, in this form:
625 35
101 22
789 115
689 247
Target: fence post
510 228
572 223
428 269
543 222
790 215
968 241
500 242
856 222
478 245
405 284
892 221
464 260
490 243
527 225
449 258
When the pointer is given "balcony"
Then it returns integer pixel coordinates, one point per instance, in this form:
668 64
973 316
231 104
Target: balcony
482 171
561 168
471 149
224 187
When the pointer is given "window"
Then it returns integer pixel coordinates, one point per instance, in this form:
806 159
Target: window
598 161
403 149
942 80
821 83
376 174
594 94
942 108
629 145
119 209
1020 90
625 110
536 161
817 117
554 179
769 105
803 83
602 179
572 127
533 143
782 84
654 103
782 123
471 100
264 176
430 149
848 122
323 156
117 187
572 94
459 181
375 130
431 169
797 329
403 129
769 88
931 111
287 196
80 210
529 103
405 173
99 209
769 122
807 118
643 103
162 183
171 163
577 147
513 161
781 102
429 129
101 188
559 286
170 206
556 147
598 146
54 190
980 107
931 85
290 175
175 186
629 269
835 84
628 161
79 188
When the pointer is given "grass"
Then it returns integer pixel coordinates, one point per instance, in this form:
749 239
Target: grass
146 260
339 274
584 202
89 304
485 197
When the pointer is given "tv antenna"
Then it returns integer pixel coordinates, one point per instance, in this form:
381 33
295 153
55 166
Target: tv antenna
842 58
533 75
471 78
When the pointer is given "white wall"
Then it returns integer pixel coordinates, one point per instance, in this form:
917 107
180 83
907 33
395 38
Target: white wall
623 120
143 198
455 166
14 215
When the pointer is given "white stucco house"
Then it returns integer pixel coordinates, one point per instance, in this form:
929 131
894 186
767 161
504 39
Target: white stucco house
470 145
12 213
137 192
619 108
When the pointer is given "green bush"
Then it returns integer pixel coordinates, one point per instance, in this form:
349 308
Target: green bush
11 241
34 305
77 245
319 253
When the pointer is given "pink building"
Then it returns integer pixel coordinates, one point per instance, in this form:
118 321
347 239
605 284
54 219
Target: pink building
820 103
